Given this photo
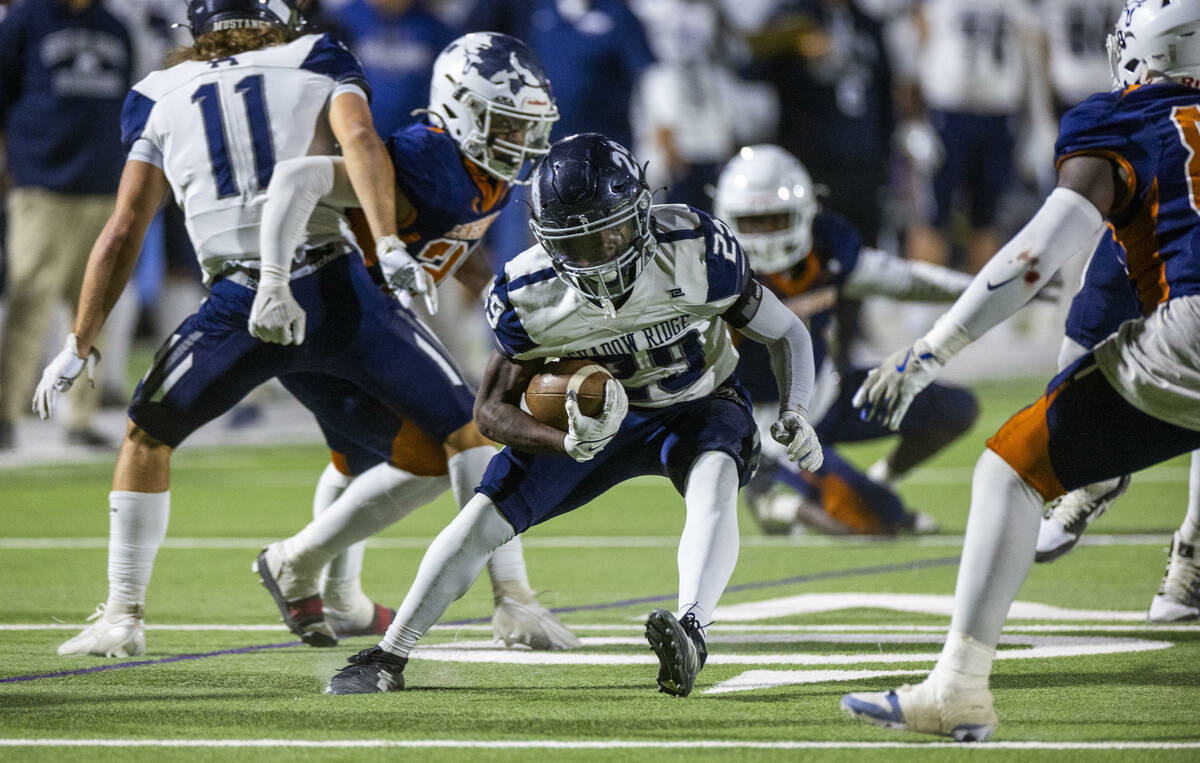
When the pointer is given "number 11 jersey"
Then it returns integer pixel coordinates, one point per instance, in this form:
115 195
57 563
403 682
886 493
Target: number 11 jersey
217 128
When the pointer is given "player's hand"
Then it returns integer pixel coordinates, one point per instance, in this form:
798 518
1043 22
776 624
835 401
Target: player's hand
587 436
890 388
61 374
794 431
276 316
404 275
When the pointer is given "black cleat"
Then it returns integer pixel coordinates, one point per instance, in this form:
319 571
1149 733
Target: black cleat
370 671
680 650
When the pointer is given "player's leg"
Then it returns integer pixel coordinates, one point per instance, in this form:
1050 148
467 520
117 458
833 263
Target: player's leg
710 450
1040 453
518 491
1178 596
206 366
518 618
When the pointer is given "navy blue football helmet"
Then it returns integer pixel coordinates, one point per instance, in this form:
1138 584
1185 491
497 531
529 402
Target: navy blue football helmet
206 16
591 213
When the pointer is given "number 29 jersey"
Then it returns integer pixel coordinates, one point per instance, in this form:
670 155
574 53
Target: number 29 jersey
217 128
667 343
1153 133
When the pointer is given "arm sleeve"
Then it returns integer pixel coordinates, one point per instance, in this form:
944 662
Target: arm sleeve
791 351
297 186
1066 225
879 273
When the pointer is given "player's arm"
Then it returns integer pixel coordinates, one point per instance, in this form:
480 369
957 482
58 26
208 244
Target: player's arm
878 273
498 411
109 266
1069 223
762 317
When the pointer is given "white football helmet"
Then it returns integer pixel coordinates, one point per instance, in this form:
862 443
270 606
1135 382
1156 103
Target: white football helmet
1155 39
493 98
766 196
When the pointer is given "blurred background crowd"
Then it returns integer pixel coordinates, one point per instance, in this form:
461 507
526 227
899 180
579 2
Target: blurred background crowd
930 124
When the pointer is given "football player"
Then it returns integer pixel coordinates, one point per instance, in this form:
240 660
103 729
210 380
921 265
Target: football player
647 292
1132 401
250 92
1105 300
491 111
811 257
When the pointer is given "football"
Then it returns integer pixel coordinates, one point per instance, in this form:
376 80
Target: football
546 395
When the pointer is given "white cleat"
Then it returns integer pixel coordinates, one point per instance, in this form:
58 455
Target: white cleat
1070 515
122 636
930 707
1178 596
520 619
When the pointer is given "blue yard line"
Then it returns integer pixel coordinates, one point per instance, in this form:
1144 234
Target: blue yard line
879 569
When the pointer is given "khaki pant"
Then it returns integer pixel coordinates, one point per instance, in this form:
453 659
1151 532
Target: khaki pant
49 238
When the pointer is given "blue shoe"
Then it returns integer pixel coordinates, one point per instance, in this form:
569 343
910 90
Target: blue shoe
370 671
966 715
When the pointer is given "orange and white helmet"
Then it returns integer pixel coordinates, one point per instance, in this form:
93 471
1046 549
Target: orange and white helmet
766 197
1156 39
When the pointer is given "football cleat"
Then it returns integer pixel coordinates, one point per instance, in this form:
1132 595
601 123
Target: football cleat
1071 514
929 707
1178 595
122 636
918 523
303 614
519 618
680 648
371 671
345 627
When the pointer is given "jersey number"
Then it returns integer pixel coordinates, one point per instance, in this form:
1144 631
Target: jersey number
1187 122
688 350
208 98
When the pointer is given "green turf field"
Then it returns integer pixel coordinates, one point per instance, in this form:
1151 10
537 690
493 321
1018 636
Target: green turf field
1096 684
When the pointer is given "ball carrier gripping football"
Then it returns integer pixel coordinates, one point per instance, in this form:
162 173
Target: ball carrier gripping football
647 292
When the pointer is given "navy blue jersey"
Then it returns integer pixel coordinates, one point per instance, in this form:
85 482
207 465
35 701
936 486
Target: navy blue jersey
63 78
1106 299
835 250
1153 133
454 202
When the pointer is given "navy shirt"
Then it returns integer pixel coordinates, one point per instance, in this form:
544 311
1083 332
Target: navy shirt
63 79
593 61
397 52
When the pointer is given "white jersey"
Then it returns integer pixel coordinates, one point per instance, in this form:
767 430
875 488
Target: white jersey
217 129
667 343
973 56
1076 32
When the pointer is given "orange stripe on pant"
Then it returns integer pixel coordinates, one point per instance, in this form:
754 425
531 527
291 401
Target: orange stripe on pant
412 450
1024 444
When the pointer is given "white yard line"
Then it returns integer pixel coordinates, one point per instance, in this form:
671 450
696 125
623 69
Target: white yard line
598 744
638 627
579 541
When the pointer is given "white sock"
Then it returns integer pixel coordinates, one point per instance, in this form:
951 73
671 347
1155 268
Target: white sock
1190 529
375 499
998 548
881 472
964 661
708 547
452 562
137 526
341 577
507 564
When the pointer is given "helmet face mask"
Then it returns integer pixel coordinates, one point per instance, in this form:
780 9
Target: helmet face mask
766 197
492 97
1156 39
591 214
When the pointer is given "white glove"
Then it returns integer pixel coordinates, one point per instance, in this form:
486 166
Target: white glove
794 431
404 275
890 388
276 316
61 374
587 436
